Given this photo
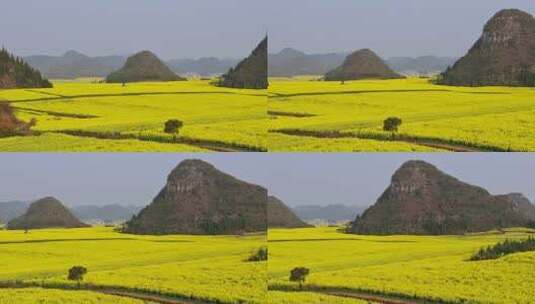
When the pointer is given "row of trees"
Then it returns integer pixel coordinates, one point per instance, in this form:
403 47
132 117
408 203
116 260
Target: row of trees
523 76
504 248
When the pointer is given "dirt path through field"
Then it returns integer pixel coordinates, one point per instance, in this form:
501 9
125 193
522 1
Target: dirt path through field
371 297
217 146
151 298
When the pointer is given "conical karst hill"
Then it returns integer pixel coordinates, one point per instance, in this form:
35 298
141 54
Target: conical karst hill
47 212
200 199
143 66
421 199
504 54
362 64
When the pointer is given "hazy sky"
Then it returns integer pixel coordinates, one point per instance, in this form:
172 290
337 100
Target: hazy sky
170 28
358 178
231 28
390 27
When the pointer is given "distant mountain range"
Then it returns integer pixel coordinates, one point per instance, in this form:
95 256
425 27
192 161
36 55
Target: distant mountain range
88 213
74 64
291 62
420 65
11 210
330 214
205 66
288 62
107 214
281 216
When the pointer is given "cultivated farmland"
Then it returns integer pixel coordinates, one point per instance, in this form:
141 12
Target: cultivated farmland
208 269
50 296
85 115
310 115
408 268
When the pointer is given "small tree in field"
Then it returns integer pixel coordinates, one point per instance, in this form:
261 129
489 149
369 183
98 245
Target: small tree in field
172 126
76 273
391 124
259 255
299 274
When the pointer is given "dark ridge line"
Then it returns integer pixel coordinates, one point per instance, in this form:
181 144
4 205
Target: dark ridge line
134 293
290 114
281 95
213 145
91 240
126 94
331 240
44 93
64 240
363 294
453 146
59 114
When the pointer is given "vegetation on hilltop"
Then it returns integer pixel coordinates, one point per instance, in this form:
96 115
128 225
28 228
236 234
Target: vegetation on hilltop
15 73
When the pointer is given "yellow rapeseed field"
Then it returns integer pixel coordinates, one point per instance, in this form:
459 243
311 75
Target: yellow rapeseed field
214 118
433 116
211 268
429 267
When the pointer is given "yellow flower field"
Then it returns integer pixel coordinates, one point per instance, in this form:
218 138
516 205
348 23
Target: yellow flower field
434 117
427 267
214 118
50 296
210 268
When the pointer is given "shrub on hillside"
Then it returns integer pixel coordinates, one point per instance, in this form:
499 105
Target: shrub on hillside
10 125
